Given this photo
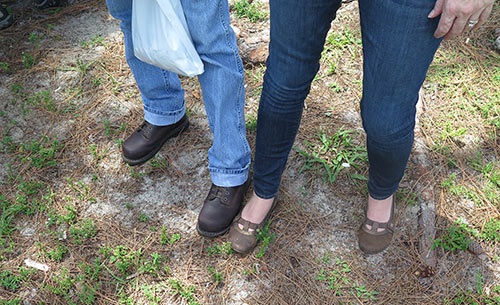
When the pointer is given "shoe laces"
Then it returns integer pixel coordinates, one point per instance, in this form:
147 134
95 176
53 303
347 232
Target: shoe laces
146 129
219 192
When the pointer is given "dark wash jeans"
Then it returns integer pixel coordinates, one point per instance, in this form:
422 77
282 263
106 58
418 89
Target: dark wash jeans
398 47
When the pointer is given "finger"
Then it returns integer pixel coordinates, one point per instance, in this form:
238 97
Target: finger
459 26
484 16
445 24
437 10
474 20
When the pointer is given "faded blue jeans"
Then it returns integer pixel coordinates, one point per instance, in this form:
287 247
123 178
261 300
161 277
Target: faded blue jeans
222 85
398 47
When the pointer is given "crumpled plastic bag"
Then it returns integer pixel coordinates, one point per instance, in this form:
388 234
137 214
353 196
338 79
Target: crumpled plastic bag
161 37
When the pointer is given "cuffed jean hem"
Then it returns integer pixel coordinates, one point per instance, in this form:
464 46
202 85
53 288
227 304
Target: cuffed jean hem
229 178
164 119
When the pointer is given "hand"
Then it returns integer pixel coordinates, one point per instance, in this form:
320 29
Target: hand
459 15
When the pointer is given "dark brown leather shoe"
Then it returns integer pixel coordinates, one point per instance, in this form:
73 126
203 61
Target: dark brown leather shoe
148 139
219 209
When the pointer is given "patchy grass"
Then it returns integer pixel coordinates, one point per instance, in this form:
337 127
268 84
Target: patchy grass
253 10
335 153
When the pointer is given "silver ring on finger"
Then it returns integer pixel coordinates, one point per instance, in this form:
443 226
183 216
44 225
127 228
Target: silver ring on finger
472 23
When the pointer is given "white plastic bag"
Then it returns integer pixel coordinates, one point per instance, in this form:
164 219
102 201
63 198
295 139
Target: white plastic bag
161 37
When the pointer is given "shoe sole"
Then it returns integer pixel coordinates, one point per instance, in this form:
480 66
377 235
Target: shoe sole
211 234
174 133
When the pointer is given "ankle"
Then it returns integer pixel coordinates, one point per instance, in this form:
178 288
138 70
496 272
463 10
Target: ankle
256 209
379 210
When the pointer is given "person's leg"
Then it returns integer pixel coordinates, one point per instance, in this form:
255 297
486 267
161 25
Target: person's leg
398 47
298 32
224 96
161 90
162 95
222 84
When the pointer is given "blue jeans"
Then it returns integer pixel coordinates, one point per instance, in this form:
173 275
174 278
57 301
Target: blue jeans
222 85
398 47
